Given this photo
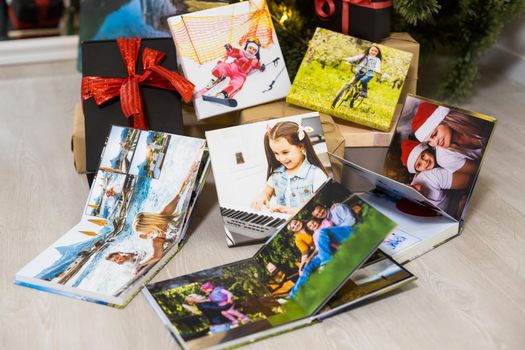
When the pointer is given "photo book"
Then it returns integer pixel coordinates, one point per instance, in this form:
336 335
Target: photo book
429 174
135 217
320 263
232 55
264 172
351 79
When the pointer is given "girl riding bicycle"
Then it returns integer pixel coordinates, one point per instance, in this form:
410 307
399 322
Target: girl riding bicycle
368 63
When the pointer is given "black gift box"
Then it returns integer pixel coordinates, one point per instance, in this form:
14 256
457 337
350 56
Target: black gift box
162 108
369 20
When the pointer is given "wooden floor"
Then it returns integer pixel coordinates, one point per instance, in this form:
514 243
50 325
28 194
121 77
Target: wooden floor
470 293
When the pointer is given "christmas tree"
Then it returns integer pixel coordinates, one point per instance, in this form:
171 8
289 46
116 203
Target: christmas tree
465 28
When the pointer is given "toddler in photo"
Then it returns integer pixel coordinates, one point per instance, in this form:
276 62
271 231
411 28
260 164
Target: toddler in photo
245 61
431 179
294 170
223 297
418 157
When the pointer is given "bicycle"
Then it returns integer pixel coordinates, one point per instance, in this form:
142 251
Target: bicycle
353 91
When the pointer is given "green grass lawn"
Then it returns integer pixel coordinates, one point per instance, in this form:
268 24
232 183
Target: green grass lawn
315 87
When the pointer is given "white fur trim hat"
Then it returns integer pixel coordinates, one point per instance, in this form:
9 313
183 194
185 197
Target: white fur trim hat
428 117
410 151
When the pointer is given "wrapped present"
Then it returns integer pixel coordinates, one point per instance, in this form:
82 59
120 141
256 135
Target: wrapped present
365 19
334 139
78 140
403 41
130 82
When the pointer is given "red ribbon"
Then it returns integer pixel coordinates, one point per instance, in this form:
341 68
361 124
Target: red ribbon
325 16
104 89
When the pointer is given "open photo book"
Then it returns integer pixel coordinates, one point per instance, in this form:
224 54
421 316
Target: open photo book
136 215
321 262
264 172
429 174
232 55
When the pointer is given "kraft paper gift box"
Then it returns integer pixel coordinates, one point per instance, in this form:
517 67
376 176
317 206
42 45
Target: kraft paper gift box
403 41
78 140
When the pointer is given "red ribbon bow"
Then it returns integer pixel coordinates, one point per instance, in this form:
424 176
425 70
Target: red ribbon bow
104 89
325 16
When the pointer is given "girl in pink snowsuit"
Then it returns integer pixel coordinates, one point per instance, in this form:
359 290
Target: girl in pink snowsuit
245 61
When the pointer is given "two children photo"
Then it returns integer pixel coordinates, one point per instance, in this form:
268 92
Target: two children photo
441 148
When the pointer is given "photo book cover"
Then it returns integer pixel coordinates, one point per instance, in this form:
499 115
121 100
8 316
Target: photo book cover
288 280
264 172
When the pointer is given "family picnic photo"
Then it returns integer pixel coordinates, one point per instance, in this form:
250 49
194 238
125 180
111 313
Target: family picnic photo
437 150
289 278
325 235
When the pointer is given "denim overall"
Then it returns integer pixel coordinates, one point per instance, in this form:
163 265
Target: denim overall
294 191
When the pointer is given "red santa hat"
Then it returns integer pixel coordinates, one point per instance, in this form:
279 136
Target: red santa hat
428 117
410 150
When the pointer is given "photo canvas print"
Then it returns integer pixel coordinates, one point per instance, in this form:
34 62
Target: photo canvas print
265 172
286 282
437 150
351 79
133 220
232 55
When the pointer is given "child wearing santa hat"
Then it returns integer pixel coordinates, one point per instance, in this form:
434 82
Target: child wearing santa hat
432 181
419 157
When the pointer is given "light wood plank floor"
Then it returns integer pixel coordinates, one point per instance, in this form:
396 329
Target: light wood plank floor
470 292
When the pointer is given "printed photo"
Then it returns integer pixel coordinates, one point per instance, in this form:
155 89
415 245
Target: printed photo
110 193
240 65
144 223
119 150
216 305
149 154
350 78
320 247
290 278
264 172
134 18
437 150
